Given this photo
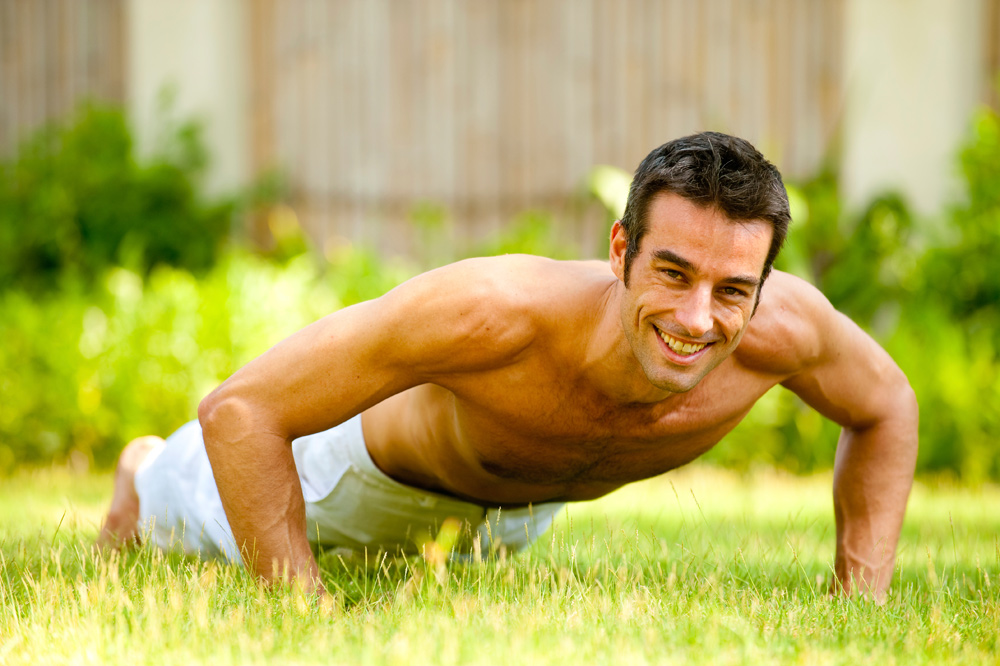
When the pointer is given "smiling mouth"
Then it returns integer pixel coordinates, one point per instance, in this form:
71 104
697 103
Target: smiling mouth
681 347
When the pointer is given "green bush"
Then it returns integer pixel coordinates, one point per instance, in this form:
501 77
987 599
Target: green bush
89 368
76 200
531 232
961 270
955 373
948 338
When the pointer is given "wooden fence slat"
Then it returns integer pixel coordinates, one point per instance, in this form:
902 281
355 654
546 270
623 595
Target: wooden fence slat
991 52
8 78
54 53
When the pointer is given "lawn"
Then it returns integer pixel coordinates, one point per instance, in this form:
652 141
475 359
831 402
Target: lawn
700 566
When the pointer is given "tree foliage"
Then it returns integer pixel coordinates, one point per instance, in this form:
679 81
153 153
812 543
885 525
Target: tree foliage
76 201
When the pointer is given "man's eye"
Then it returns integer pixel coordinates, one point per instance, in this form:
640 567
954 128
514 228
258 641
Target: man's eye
733 291
670 273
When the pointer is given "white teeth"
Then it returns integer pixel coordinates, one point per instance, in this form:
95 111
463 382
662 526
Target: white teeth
685 348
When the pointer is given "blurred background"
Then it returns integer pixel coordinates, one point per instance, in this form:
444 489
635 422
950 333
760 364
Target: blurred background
184 183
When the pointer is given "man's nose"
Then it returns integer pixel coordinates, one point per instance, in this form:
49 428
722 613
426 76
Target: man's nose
695 312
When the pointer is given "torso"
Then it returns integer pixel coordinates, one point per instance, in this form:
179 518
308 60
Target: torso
538 429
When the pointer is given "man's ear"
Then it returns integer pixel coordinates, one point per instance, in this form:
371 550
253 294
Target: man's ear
616 254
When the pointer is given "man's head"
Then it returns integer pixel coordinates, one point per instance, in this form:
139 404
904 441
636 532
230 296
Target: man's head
709 169
706 216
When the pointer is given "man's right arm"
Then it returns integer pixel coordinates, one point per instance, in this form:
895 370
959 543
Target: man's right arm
318 377
446 321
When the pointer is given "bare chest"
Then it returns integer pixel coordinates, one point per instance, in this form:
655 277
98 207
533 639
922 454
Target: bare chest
570 436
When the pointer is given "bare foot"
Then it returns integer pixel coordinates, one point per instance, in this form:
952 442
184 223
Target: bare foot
121 527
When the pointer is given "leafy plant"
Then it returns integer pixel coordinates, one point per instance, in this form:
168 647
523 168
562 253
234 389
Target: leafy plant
962 271
531 232
76 200
86 369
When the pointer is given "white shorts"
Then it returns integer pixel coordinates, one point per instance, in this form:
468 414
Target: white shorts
350 503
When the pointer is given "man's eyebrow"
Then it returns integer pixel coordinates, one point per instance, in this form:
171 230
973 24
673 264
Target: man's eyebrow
745 280
667 255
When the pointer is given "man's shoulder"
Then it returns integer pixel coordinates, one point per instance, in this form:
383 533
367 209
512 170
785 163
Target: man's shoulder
520 268
496 307
520 283
786 334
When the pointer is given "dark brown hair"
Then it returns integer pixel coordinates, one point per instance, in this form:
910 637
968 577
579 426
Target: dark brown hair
709 169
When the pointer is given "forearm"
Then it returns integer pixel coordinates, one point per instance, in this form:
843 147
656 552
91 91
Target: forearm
261 494
872 480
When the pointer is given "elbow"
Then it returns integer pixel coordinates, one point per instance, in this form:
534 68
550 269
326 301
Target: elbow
905 420
208 412
913 405
907 407
914 415
896 401
226 420
206 407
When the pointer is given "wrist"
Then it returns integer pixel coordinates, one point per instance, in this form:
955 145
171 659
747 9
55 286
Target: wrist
857 577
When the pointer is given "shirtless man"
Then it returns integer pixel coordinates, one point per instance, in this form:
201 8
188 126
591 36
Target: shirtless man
521 382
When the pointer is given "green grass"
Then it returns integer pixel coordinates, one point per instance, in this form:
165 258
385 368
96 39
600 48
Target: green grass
701 566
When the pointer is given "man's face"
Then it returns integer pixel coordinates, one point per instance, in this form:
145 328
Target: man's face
691 290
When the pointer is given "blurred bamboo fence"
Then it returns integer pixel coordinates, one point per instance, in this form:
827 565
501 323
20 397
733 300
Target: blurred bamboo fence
53 54
485 107
991 53
496 106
